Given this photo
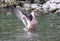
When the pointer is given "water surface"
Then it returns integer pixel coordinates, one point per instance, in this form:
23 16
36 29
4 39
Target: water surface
11 28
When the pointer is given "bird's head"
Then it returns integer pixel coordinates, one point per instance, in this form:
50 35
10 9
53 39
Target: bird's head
35 11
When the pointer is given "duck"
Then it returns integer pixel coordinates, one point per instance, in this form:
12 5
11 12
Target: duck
29 20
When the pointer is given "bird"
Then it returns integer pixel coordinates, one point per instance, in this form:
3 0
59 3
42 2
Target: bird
29 20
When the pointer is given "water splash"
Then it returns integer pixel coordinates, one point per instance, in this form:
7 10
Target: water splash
26 37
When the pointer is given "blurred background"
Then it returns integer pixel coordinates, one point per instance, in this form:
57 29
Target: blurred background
48 20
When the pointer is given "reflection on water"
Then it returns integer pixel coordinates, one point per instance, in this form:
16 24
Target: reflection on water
25 37
19 36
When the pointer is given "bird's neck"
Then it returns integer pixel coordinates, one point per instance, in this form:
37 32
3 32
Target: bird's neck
33 14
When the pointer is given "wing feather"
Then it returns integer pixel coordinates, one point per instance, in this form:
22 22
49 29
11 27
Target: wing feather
21 16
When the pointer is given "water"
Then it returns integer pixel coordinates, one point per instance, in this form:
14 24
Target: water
11 28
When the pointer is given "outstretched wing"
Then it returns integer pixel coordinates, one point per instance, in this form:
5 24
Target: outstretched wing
21 16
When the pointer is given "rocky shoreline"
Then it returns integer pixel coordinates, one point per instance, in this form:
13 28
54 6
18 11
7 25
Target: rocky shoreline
48 7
